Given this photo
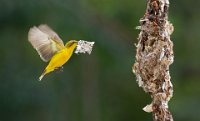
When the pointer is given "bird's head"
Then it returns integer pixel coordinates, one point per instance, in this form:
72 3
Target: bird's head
71 43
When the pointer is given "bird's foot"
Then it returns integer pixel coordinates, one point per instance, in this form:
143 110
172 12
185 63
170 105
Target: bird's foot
59 69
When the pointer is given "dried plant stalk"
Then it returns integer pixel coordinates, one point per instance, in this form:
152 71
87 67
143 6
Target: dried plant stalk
154 56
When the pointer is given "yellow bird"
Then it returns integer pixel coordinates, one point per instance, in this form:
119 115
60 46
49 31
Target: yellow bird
50 47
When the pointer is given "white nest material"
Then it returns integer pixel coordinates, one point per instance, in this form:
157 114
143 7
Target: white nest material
84 47
148 108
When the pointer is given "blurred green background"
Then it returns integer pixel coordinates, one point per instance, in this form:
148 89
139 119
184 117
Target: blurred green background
100 86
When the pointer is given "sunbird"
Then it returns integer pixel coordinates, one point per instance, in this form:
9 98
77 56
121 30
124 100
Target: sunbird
50 47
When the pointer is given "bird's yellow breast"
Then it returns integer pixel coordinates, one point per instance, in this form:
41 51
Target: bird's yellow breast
60 58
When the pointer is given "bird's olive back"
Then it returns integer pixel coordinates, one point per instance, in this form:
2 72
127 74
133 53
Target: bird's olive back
70 43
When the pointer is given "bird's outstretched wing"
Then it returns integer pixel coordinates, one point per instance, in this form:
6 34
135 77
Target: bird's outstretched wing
45 41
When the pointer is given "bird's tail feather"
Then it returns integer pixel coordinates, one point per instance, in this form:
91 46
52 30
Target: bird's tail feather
43 74
40 78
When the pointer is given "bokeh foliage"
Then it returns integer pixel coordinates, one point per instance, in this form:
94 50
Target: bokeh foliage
99 87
